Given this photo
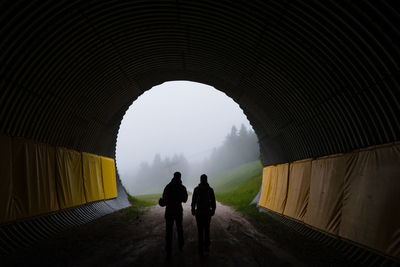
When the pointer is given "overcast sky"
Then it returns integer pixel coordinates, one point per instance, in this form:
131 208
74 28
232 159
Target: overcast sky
175 117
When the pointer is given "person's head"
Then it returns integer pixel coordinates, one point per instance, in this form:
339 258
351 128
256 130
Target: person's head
203 179
177 175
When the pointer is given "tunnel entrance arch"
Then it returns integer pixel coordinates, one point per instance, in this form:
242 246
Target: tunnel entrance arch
181 124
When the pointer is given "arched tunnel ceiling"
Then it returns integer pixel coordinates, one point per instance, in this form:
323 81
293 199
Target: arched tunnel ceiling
313 77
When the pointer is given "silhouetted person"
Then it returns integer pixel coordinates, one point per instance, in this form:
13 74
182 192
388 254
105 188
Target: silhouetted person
173 196
203 207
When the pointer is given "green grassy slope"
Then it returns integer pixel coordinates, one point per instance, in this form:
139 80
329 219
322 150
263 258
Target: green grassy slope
145 200
238 187
232 179
139 206
240 197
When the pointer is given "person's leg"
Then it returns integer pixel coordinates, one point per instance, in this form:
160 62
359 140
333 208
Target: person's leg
169 222
179 228
207 221
200 230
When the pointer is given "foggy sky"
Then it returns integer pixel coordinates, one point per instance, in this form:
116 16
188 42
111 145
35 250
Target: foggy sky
173 118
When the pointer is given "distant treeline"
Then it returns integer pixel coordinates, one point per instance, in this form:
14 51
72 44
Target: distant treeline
153 177
240 146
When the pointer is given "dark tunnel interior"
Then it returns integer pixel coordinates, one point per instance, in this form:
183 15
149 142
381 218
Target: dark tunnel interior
314 78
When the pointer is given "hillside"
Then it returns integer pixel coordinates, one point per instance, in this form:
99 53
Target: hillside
239 186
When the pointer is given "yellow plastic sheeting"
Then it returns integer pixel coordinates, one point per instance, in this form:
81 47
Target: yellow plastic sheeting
33 178
109 177
69 178
276 187
326 193
371 213
93 181
6 211
299 189
262 202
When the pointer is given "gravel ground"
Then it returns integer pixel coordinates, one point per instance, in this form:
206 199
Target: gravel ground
115 241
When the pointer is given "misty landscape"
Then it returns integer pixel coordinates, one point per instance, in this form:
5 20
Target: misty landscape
181 126
240 146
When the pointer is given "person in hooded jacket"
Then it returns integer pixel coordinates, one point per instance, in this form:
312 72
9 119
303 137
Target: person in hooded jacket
203 207
174 194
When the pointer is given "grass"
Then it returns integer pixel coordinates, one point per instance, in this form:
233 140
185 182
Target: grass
233 179
145 200
139 206
242 195
239 186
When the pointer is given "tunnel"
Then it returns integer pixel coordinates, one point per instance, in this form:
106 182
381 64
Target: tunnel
314 78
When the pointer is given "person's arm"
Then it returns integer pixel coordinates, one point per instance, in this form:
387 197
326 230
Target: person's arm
164 195
185 195
162 201
194 200
213 202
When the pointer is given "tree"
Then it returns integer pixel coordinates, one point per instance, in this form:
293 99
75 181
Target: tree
243 133
157 162
238 148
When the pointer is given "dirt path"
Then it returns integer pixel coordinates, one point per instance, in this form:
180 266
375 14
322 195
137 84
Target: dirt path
113 241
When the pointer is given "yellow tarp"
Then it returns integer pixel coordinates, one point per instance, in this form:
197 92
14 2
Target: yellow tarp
274 191
299 189
36 178
69 178
326 193
371 203
6 211
93 181
262 202
33 178
109 177
265 187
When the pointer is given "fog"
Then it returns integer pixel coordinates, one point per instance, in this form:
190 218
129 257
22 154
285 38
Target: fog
169 124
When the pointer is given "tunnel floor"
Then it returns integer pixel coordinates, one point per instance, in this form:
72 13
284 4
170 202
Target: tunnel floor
115 241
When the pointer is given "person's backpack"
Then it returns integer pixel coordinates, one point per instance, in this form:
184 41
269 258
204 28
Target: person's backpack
204 198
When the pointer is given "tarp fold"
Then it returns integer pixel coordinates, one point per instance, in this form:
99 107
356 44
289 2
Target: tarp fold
326 193
371 198
69 178
93 181
34 189
109 177
274 192
298 189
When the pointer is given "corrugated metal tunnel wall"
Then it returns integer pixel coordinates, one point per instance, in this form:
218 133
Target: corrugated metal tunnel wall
313 77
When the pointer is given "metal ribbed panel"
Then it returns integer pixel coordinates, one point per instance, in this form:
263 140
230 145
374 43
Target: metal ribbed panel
314 77
26 233
358 255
